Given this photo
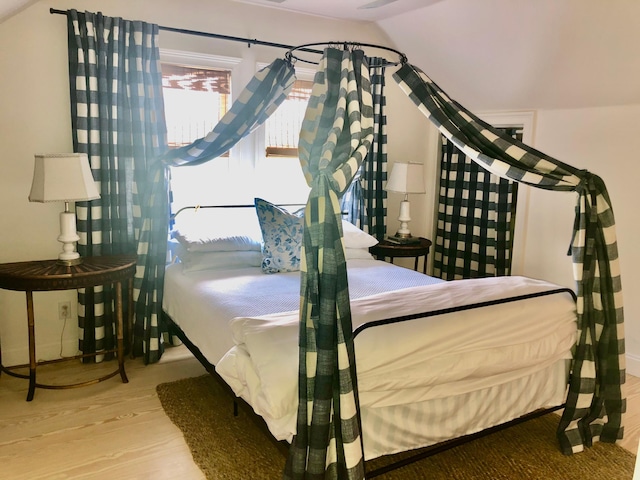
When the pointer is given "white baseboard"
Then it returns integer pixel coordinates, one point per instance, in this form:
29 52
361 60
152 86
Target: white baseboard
47 351
633 364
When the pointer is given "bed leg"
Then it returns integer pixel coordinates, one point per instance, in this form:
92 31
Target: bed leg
235 408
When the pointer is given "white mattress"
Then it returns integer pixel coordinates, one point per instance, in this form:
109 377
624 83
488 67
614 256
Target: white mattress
203 303
512 363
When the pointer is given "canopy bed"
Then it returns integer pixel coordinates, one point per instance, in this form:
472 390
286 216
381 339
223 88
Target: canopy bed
422 332
335 138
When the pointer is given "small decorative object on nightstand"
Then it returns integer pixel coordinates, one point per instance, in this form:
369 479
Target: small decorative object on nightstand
392 249
46 275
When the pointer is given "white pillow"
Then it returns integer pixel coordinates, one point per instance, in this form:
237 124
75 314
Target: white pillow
356 238
357 253
195 261
218 230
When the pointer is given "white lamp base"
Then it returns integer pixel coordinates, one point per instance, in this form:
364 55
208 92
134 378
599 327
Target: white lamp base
404 218
68 237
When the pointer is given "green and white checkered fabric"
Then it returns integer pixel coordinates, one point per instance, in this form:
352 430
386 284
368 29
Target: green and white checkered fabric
365 201
117 118
336 135
475 219
595 403
260 98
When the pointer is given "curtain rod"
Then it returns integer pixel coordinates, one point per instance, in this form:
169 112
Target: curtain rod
291 49
248 41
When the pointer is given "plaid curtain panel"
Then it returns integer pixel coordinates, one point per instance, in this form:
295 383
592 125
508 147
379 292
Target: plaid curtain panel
117 117
260 98
335 137
595 403
365 201
476 217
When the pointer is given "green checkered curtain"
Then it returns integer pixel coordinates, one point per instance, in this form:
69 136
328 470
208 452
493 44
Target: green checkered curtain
595 404
117 119
476 219
336 134
259 99
365 201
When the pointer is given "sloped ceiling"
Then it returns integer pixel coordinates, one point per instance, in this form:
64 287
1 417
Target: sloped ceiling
500 54
11 7
506 54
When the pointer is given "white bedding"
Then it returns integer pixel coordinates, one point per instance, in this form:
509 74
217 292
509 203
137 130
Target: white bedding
203 303
413 361
514 362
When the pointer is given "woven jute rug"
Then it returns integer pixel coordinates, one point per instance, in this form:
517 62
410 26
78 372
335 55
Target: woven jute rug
228 447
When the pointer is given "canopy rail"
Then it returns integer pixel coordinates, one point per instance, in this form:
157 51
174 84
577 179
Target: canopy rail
291 56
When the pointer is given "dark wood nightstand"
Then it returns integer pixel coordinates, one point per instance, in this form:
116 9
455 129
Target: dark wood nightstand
391 250
46 275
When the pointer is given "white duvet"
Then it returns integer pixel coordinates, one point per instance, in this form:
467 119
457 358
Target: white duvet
203 303
413 361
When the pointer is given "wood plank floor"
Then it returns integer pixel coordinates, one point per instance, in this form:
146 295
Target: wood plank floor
115 430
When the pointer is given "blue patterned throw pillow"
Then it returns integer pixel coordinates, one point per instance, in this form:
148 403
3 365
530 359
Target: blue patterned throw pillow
282 237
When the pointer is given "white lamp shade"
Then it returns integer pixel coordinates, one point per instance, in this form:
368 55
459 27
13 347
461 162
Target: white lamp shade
62 177
406 178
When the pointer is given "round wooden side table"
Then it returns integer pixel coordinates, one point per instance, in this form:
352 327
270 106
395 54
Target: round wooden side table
392 250
47 275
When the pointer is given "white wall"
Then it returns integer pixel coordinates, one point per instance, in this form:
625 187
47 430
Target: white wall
574 64
601 140
34 118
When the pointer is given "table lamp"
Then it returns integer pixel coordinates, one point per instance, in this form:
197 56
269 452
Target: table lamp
64 177
406 178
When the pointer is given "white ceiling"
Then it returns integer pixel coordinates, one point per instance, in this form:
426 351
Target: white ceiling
506 54
366 10
526 54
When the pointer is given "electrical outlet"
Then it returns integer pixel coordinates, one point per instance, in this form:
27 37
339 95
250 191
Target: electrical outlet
64 310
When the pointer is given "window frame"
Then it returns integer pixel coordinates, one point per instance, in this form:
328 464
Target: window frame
260 133
203 61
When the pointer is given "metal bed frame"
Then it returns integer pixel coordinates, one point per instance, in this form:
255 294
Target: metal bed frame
421 453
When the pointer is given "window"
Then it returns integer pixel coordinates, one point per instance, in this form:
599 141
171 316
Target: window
277 169
198 91
282 128
195 100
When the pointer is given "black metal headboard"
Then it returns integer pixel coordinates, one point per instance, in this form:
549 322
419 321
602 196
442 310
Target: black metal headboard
198 207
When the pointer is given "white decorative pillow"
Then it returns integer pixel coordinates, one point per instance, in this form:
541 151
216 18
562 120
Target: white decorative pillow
281 236
205 243
356 238
218 230
195 261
